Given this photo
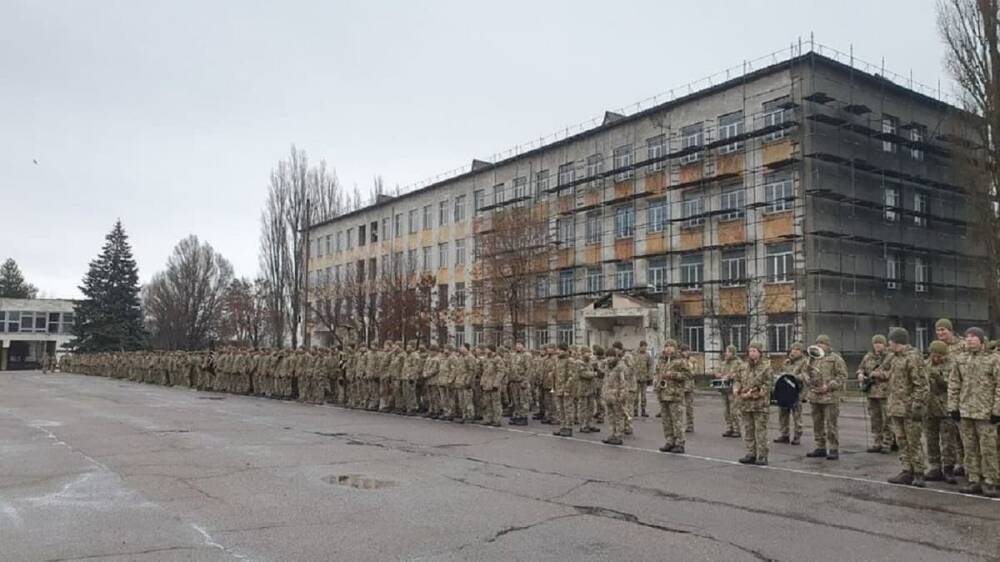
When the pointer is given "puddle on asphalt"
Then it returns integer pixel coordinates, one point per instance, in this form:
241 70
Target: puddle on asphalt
359 481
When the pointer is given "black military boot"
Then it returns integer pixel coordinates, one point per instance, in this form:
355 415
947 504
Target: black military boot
666 448
934 475
904 477
762 461
990 491
874 449
782 439
832 455
612 441
644 414
727 433
894 447
949 474
557 432
566 432
595 429
679 449
816 453
748 459
971 488
959 470
918 480
797 439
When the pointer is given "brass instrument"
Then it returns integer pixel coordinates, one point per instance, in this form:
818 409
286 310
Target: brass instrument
815 352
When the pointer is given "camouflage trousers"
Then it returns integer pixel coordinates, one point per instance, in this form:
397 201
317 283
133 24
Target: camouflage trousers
755 433
980 440
616 417
565 410
492 406
826 432
639 405
882 430
942 439
794 415
520 397
689 410
908 434
410 397
672 420
729 415
466 404
586 407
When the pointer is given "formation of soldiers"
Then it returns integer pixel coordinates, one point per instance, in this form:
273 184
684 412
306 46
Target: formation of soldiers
941 411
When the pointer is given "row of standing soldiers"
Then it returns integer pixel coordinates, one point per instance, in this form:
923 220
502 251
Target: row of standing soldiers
564 386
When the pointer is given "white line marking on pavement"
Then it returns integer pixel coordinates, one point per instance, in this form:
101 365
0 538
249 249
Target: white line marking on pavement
209 541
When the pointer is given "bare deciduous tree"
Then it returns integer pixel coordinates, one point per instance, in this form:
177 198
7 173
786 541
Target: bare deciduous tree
970 30
184 303
245 311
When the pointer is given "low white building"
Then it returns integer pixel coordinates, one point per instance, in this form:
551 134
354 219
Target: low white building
30 328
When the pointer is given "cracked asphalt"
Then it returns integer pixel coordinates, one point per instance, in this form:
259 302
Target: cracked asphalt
101 469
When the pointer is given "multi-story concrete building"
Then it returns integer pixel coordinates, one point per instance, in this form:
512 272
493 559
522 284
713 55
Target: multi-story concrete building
802 198
31 328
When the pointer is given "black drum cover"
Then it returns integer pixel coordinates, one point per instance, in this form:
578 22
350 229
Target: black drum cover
786 391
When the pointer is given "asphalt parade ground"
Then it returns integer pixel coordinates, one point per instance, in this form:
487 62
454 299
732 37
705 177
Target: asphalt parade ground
101 469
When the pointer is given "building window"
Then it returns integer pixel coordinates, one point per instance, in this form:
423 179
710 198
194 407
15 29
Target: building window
459 336
921 275
595 167
623 162
890 198
624 222
655 149
459 298
694 334
624 276
340 241
398 224
427 262
920 208
477 336
777 192
411 260
734 332
386 233
779 262
657 269
499 194
460 252
692 139
594 284
780 334
443 213
593 227
443 255
318 247
731 127
459 208
428 217
657 215
564 334
567 175
413 221
731 203
477 295
566 283
776 114
541 183
922 338
889 126
542 287
478 200
566 228
362 235
329 244
917 134
374 230
692 272
520 188
893 272
540 337
350 238
693 210
734 267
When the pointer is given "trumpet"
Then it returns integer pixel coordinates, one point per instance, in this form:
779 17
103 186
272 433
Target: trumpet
663 383
815 352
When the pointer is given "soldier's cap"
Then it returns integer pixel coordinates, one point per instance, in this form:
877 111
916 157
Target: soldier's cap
797 345
878 338
643 343
899 335
671 342
598 350
977 332
944 323
563 347
618 345
823 339
756 345
731 348
939 347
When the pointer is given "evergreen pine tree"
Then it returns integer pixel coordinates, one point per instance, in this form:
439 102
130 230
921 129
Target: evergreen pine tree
12 283
109 318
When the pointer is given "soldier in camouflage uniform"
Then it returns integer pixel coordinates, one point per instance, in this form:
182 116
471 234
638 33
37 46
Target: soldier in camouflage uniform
562 391
876 379
642 362
614 393
672 374
519 385
753 386
827 378
944 331
546 378
794 365
587 392
907 405
491 381
940 431
731 367
974 401
413 366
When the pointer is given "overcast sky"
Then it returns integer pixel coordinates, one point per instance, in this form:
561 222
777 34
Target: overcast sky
169 115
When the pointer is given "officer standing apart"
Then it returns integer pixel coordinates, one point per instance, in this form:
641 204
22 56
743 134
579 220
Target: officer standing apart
827 377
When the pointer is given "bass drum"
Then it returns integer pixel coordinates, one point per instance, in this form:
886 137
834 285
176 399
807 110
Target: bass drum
786 391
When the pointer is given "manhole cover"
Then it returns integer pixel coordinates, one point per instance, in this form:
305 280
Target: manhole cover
359 481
